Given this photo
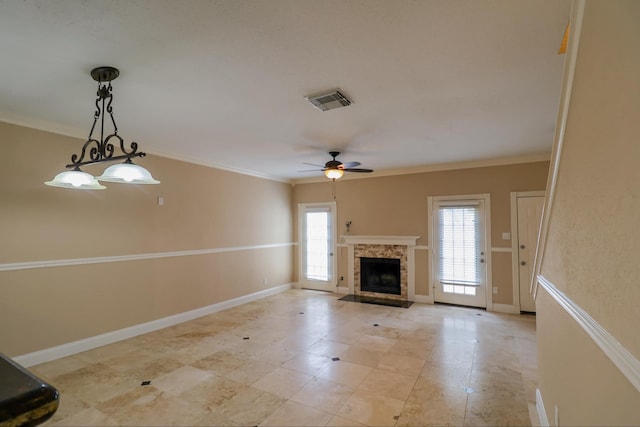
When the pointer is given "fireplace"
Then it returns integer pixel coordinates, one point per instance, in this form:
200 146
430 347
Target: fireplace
381 275
399 248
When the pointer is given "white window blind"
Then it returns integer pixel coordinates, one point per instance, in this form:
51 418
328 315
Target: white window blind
459 244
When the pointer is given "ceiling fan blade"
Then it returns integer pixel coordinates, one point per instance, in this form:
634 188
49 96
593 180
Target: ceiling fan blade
350 165
312 170
312 164
357 170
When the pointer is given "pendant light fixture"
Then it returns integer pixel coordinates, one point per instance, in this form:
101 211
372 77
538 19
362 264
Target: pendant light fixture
103 150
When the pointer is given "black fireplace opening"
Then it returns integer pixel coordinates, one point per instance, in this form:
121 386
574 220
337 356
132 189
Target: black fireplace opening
380 275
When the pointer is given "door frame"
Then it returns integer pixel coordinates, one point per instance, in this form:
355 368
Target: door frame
486 198
302 207
515 272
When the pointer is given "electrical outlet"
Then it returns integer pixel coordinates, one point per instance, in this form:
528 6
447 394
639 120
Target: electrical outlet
341 278
495 290
264 281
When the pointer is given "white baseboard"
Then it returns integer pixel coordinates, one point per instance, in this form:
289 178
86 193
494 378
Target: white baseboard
342 290
505 308
542 413
85 344
424 299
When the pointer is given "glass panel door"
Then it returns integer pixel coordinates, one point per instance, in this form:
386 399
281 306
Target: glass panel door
459 253
317 246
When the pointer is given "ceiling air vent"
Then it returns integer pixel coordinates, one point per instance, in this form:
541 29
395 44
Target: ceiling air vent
328 100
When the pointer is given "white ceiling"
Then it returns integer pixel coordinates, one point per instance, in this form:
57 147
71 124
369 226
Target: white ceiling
223 82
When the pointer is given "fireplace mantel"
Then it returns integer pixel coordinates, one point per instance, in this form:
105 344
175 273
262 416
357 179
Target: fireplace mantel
380 240
409 244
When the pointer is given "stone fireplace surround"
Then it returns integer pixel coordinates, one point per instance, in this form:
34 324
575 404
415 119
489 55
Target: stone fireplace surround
401 247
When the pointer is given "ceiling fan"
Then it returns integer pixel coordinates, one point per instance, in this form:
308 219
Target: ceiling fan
334 169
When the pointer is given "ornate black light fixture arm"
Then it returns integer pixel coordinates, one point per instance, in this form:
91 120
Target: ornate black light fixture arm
103 150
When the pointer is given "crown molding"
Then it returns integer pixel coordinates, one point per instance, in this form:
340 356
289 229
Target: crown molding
55 128
193 160
42 125
73 132
498 161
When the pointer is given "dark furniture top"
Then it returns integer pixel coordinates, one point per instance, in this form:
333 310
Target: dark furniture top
25 400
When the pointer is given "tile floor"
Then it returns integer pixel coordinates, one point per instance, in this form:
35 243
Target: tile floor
303 358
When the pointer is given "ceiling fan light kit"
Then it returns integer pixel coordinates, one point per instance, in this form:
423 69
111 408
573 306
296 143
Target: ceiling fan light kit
334 173
335 169
99 151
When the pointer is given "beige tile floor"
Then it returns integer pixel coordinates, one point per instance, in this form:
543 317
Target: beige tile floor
426 365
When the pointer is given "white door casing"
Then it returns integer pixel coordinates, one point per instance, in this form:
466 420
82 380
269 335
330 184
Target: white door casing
529 216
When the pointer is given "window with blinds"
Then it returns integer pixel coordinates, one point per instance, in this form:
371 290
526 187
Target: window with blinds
459 248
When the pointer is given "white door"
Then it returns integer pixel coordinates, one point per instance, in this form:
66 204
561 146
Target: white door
529 217
317 246
459 251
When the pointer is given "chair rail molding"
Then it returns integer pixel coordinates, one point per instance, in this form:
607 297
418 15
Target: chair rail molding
616 352
134 257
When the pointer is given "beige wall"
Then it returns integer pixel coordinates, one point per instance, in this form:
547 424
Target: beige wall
204 208
593 246
397 205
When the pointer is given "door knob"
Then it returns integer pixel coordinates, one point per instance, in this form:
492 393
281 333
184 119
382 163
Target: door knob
522 246
523 263
331 254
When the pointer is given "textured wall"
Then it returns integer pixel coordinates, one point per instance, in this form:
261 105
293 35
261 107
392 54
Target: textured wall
397 206
593 244
204 208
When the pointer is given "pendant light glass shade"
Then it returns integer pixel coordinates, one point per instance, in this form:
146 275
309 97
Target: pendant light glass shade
128 173
75 179
334 173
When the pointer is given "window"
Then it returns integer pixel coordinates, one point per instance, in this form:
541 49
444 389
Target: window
317 250
459 246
